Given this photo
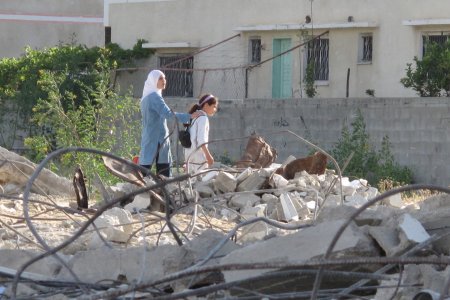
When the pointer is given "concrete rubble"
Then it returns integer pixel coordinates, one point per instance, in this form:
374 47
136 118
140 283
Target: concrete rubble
15 171
257 217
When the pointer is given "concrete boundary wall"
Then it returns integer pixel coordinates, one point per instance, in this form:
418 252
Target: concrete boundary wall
418 128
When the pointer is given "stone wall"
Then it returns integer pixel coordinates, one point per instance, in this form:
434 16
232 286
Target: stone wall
418 128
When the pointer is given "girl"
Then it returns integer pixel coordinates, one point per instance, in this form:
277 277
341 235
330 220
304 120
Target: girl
198 156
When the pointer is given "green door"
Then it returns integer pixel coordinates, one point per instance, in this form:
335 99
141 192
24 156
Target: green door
282 69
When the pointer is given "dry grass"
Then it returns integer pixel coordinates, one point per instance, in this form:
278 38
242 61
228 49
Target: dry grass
416 197
412 197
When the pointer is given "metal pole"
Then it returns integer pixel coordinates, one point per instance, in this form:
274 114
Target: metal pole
348 80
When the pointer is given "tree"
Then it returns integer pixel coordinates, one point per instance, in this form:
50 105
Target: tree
102 119
431 76
20 91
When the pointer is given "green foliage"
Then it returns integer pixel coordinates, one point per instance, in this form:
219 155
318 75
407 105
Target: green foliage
310 89
431 75
225 159
126 57
19 76
367 163
101 120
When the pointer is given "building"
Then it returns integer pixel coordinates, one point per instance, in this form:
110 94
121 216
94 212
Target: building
47 23
361 47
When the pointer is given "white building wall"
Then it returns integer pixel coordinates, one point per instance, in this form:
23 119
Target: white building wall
47 23
200 23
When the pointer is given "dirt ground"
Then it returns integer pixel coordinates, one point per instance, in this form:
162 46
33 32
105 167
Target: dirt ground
55 221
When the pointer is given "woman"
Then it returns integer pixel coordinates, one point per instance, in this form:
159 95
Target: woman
196 157
155 143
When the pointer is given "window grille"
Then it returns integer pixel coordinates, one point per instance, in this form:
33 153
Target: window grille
366 48
439 39
318 54
255 50
179 83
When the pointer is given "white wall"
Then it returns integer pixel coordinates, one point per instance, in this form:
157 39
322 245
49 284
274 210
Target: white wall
46 23
204 22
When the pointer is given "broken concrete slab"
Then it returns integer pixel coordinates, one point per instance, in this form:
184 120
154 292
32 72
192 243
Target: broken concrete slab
244 174
14 259
440 225
141 201
204 189
225 182
412 230
387 238
289 211
254 232
254 181
114 225
394 201
280 249
198 248
248 213
136 264
244 200
278 181
16 169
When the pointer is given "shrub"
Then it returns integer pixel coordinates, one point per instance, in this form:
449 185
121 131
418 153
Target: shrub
375 166
430 77
101 120
310 89
19 78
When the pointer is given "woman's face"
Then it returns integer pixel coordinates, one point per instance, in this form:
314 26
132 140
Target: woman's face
210 109
161 82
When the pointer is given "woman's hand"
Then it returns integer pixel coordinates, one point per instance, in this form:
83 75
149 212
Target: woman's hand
195 115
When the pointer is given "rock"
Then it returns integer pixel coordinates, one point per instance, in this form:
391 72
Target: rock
299 246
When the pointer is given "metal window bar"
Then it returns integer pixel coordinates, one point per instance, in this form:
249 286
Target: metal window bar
255 50
318 51
367 48
437 39
180 83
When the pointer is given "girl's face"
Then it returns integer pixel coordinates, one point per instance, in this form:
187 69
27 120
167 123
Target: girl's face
210 109
161 82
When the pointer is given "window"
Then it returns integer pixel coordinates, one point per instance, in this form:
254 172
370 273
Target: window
317 52
179 83
434 37
107 35
365 48
255 50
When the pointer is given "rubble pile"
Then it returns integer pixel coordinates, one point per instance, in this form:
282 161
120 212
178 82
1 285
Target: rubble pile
245 233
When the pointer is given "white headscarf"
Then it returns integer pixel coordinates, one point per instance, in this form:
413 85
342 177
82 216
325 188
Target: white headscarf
151 83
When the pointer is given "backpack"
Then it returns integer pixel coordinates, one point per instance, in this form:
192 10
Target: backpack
184 136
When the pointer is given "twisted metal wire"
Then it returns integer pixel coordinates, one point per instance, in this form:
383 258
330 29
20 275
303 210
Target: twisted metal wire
40 167
360 210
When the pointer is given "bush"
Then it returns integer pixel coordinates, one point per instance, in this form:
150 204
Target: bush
310 89
431 76
19 78
375 166
101 120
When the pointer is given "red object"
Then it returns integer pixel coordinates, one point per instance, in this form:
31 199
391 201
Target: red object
136 159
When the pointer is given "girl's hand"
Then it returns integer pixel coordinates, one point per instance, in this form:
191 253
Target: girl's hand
210 160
